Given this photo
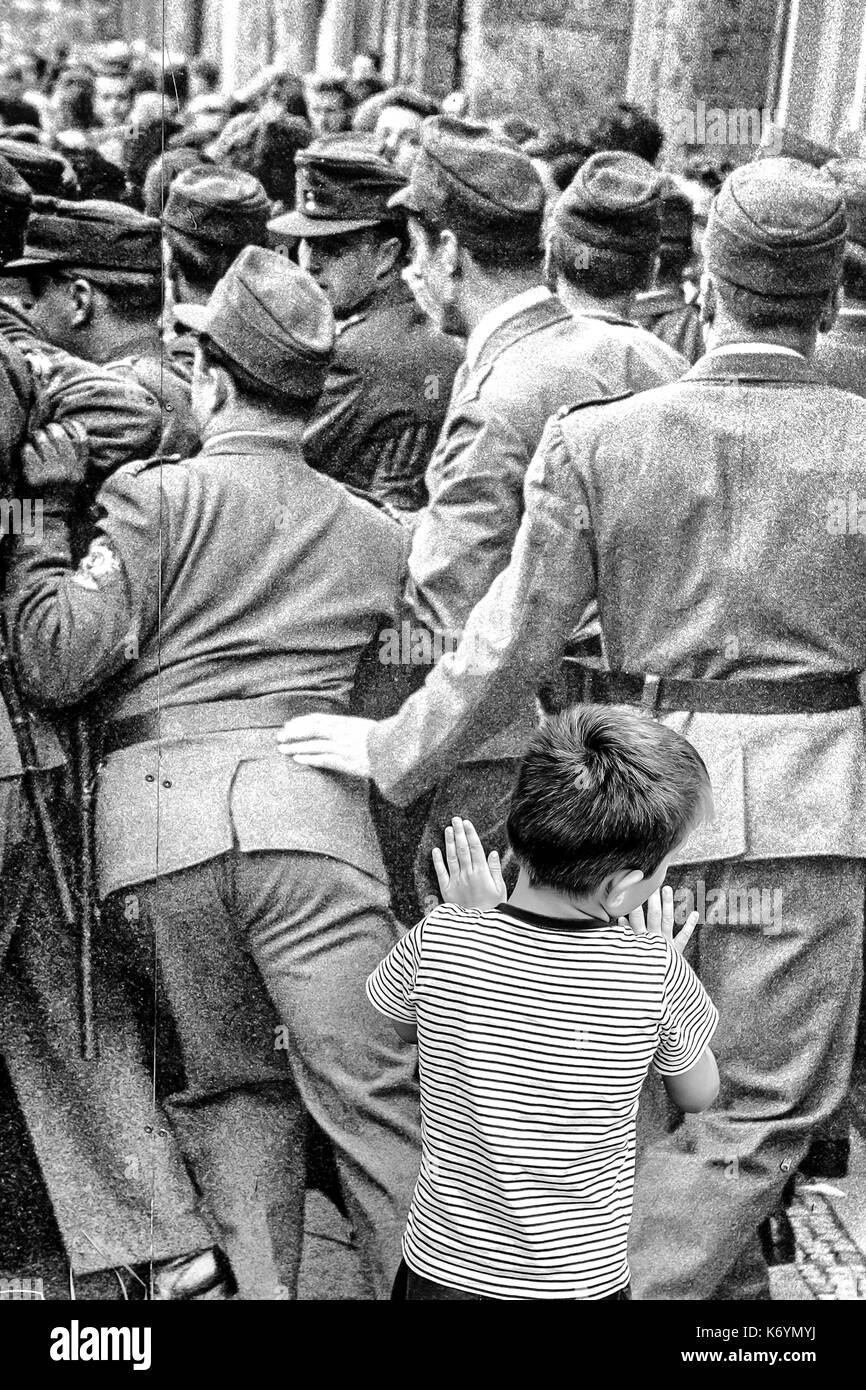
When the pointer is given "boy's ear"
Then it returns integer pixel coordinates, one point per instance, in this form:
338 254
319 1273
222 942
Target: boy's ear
616 888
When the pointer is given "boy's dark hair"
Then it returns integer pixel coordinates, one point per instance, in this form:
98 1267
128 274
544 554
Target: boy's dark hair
600 790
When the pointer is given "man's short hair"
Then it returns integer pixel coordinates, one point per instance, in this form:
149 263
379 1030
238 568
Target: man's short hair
200 262
599 790
598 270
627 126
207 72
131 293
329 82
759 311
251 387
498 254
564 152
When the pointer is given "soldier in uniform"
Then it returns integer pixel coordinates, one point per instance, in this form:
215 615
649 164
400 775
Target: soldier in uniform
841 353
664 310
240 869
386 395
711 518
97 1135
210 216
476 207
95 275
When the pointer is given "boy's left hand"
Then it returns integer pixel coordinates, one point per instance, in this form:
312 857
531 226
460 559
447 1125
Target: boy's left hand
470 879
660 920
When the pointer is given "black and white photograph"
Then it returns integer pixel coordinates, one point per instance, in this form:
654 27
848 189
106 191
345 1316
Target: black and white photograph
432 665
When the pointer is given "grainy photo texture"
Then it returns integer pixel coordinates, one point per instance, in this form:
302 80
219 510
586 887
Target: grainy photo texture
432 759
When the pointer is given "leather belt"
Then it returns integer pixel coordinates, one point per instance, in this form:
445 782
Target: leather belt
667 694
215 716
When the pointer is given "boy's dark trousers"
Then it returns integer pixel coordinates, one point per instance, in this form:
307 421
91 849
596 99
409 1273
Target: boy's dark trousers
410 1287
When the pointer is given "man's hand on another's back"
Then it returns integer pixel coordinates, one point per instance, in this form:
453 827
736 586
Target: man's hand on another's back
335 742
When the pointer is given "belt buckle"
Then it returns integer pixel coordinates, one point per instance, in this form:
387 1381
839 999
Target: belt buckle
651 695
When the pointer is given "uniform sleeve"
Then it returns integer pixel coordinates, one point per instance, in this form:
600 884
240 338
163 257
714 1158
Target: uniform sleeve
391 987
332 436
465 533
514 637
71 627
688 1018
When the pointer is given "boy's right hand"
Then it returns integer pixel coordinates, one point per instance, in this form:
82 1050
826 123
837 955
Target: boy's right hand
660 920
470 879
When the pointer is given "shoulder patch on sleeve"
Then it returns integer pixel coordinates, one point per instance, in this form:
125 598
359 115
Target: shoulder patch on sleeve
594 400
97 567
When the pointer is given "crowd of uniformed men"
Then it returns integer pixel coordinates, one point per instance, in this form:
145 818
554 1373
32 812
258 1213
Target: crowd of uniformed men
313 392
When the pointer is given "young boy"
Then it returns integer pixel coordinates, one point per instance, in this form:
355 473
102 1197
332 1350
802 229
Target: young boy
537 1017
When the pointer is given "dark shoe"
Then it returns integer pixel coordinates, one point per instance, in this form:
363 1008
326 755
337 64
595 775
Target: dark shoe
202 1276
777 1239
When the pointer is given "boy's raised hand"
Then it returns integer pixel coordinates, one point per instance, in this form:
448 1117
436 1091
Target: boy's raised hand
660 920
466 876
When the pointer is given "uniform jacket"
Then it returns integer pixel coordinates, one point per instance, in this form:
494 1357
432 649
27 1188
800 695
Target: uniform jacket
384 401
531 365
712 518
840 355
120 419
667 314
238 573
155 369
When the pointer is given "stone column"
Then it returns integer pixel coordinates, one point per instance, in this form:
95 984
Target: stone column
296 27
336 44
553 61
707 72
246 39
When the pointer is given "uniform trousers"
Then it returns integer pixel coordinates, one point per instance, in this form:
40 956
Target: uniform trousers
311 929
780 954
480 792
102 1143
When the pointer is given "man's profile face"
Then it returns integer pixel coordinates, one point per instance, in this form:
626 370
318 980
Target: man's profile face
328 112
51 309
430 281
343 266
396 125
203 395
111 100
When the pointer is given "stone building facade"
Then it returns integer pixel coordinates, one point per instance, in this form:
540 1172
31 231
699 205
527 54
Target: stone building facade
693 63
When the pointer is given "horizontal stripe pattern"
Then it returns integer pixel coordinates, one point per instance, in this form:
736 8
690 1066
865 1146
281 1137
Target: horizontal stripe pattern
533 1043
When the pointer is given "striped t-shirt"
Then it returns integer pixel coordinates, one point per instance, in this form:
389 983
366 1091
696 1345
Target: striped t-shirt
534 1038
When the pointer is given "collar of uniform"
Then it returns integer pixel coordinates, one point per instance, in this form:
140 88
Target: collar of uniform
145 342
753 362
494 319
606 318
663 301
250 442
852 318
393 294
